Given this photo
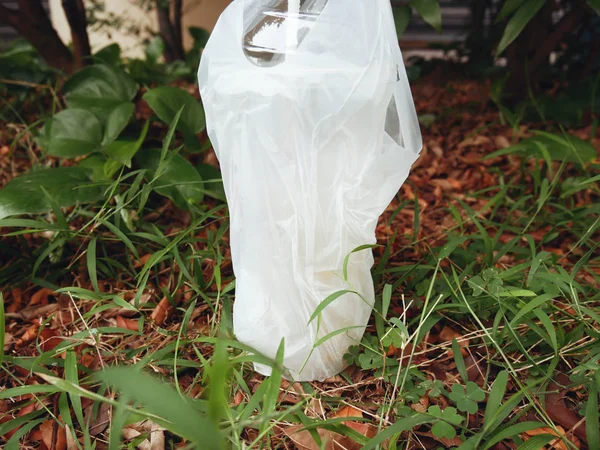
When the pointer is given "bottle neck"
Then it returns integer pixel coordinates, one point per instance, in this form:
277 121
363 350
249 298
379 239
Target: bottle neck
277 28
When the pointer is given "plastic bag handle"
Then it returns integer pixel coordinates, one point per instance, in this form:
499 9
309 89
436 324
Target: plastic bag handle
407 114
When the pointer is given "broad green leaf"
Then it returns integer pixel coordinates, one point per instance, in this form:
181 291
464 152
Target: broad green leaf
518 22
213 182
509 7
166 101
155 49
66 185
123 151
402 17
100 88
430 11
95 164
200 37
116 121
160 399
595 4
110 168
71 133
111 54
177 178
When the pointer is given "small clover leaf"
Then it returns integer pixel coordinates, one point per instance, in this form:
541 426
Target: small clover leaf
436 390
352 356
489 282
448 418
393 337
490 274
478 285
366 361
466 398
443 430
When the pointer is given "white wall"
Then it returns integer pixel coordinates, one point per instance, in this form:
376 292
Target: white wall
202 13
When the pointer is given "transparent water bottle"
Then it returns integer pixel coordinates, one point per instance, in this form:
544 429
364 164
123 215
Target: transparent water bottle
278 28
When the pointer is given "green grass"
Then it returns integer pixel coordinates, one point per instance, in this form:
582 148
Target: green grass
487 306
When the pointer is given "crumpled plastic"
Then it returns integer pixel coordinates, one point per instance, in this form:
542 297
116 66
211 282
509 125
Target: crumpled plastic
312 151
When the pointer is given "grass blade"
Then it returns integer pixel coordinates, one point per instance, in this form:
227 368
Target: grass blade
592 422
91 263
329 300
71 374
2 328
460 362
496 396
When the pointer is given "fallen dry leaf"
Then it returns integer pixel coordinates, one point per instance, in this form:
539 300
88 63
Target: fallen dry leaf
475 141
315 408
448 333
34 311
71 442
57 441
49 339
162 311
330 440
422 405
557 410
16 302
556 444
364 428
501 142
454 442
239 398
142 261
348 411
41 297
128 324
100 422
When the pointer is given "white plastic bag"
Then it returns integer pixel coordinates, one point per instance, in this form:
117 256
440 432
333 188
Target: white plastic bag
314 141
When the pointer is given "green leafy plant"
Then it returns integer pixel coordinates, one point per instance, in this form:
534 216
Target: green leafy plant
448 419
467 397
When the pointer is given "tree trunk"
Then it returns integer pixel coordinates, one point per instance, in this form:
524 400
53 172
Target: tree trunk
168 31
177 17
477 36
32 22
532 49
75 12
